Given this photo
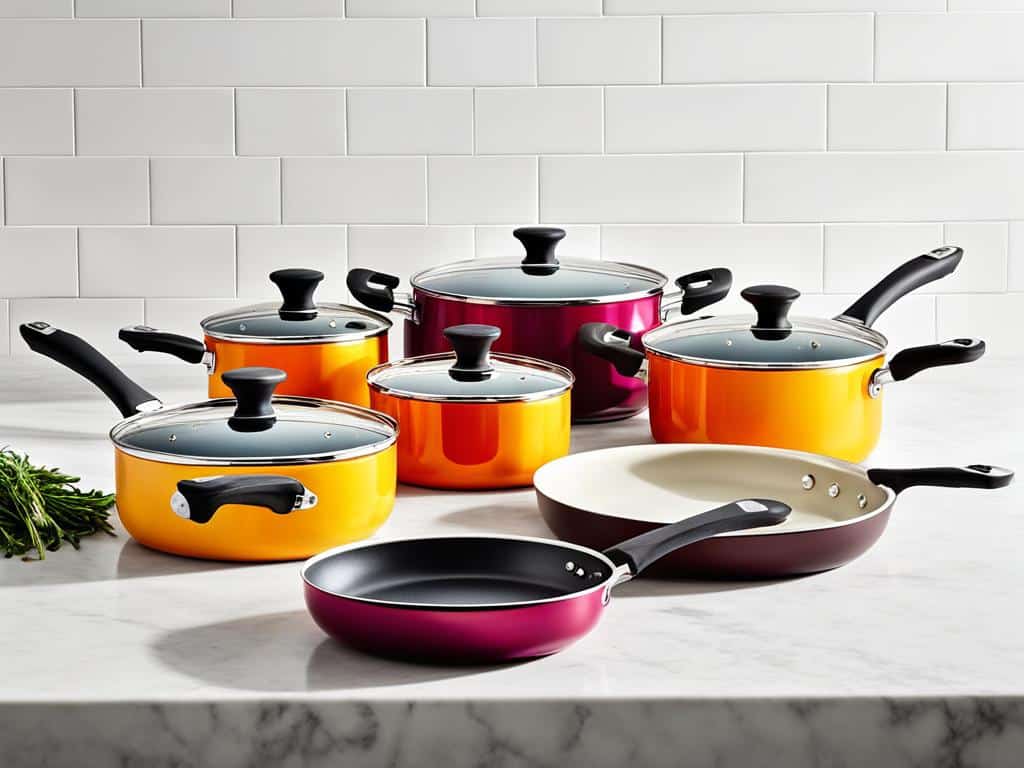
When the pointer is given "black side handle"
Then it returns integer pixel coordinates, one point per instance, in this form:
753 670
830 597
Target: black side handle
297 287
772 303
472 346
907 362
540 244
85 360
612 344
901 281
643 550
142 338
198 500
253 388
375 290
701 289
983 476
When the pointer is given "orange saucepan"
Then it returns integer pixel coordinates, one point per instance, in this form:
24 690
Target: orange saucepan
326 349
469 419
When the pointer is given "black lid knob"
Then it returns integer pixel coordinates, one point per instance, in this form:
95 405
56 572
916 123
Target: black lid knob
540 244
252 387
772 303
297 287
472 346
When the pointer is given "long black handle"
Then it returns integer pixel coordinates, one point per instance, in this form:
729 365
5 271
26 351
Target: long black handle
971 476
142 338
643 550
198 500
612 344
907 362
901 281
376 290
703 288
84 359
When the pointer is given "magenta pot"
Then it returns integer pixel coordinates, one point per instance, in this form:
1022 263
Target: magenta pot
539 302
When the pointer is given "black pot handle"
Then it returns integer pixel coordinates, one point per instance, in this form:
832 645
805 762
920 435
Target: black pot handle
297 287
85 360
609 343
253 389
643 550
472 346
772 304
703 288
540 244
375 290
972 476
907 362
142 338
917 272
198 500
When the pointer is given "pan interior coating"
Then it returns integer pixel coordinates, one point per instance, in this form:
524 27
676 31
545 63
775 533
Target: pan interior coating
664 483
458 571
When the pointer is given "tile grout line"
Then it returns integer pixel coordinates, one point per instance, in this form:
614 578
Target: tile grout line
142 69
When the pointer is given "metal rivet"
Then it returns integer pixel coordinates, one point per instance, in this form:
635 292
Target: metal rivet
862 500
807 481
597 575
328 434
580 572
172 438
833 490
728 342
815 344
241 326
570 566
333 324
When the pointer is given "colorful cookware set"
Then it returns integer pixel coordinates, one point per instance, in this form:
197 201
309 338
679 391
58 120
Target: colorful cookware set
757 420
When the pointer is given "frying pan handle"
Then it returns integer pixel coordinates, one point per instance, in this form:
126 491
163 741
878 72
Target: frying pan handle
698 290
198 500
377 291
85 360
142 338
972 476
297 287
912 275
643 550
609 343
908 362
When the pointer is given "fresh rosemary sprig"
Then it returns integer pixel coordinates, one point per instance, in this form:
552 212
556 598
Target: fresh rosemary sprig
40 508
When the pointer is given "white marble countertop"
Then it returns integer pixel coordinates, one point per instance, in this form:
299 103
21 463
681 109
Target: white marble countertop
911 654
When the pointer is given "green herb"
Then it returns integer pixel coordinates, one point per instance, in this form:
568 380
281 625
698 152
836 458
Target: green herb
40 508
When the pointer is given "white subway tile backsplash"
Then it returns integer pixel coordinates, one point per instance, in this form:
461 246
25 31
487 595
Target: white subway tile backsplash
1016 265
996 319
64 52
862 186
5 327
887 116
297 52
28 9
482 51
599 51
95 320
786 254
357 190
641 189
215 190
986 252
76 190
485 190
157 261
768 48
582 241
713 118
263 249
511 121
290 121
768 6
38 261
154 8
955 46
411 8
410 121
154 121
985 5
36 121
288 8
184 315
986 116
538 7
404 251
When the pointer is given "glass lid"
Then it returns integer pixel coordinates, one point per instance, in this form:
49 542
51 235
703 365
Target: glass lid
297 319
540 277
253 429
471 373
773 340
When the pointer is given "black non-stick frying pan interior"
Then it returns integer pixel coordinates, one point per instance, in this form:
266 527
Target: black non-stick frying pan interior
468 571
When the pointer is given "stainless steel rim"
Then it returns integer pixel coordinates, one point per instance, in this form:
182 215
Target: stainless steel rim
351 337
387 439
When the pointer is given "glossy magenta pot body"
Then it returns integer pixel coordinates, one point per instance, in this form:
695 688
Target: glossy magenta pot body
457 636
547 332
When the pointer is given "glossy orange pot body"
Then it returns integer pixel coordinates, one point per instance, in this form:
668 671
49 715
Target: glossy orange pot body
826 410
326 370
475 445
354 497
